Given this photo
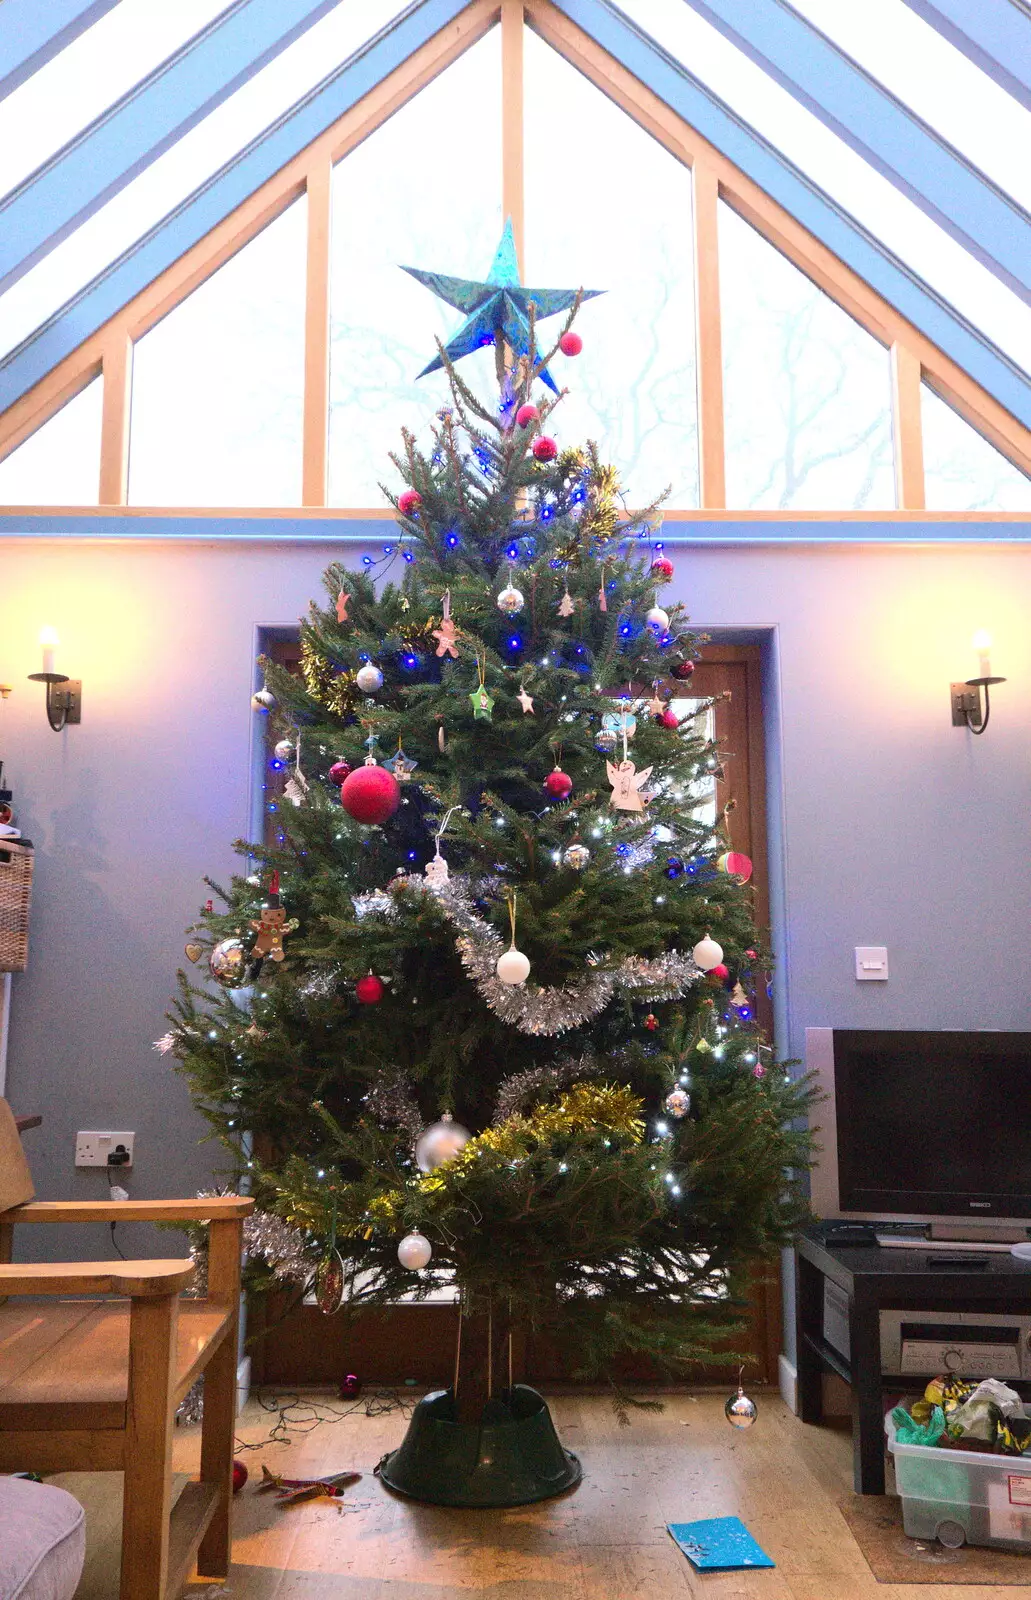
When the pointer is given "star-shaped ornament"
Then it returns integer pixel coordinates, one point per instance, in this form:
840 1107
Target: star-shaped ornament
496 308
342 600
525 700
656 706
483 704
567 605
401 766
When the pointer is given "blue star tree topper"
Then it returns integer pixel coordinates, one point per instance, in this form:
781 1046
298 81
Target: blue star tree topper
497 310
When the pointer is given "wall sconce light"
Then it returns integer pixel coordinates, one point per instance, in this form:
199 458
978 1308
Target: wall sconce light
64 703
966 697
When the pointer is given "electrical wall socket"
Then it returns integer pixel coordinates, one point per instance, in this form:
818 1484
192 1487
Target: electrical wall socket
95 1149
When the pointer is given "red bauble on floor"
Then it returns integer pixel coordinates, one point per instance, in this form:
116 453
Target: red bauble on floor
370 794
239 1476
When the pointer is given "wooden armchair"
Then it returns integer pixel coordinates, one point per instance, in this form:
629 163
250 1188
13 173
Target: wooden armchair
93 1384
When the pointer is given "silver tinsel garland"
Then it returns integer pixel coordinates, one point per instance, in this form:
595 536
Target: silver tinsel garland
288 1252
390 1099
537 1082
533 1008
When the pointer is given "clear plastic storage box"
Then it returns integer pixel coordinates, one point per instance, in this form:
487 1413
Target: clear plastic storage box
963 1496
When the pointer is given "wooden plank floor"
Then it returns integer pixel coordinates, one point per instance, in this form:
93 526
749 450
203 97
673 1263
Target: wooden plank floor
604 1541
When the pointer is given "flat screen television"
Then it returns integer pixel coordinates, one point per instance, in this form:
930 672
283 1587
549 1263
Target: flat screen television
922 1126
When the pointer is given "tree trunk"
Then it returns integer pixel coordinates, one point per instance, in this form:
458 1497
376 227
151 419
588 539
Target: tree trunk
482 1361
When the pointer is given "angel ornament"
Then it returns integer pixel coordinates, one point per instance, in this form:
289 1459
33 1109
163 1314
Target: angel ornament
627 784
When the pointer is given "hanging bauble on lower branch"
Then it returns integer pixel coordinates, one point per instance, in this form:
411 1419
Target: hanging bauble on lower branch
740 1411
512 967
414 1251
440 1142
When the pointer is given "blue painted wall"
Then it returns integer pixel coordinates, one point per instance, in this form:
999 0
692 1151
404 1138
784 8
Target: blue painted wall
890 825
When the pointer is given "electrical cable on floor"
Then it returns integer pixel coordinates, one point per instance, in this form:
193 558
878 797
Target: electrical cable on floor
294 1415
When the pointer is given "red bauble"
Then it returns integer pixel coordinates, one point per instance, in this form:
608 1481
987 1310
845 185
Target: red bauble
370 794
239 1476
736 864
753 955
682 669
668 718
662 567
559 784
526 414
544 448
718 971
339 771
369 990
351 1386
570 344
408 501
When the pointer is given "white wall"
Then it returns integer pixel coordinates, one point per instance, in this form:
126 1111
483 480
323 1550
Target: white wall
897 828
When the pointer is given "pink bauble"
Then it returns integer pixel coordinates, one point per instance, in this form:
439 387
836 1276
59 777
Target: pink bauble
758 1072
570 344
339 771
662 567
719 971
683 669
669 718
369 990
239 1476
370 795
526 414
736 864
544 448
559 784
408 501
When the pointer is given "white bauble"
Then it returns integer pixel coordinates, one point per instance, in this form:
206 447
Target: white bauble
513 966
414 1251
658 619
707 953
284 750
264 700
369 678
510 600
439 1142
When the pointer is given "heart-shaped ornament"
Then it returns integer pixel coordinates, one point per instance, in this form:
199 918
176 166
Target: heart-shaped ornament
194 951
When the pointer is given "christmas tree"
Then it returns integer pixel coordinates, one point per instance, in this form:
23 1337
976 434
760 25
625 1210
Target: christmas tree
487 1004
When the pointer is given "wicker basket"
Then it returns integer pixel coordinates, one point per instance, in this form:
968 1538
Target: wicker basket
15 900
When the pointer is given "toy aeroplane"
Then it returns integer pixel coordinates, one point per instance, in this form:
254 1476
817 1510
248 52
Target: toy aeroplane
291 1491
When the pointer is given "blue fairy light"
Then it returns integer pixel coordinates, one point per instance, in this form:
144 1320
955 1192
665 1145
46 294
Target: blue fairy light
512 552
659 545
410 661
413 855
626 630
451 539
515 642
388 549
406 555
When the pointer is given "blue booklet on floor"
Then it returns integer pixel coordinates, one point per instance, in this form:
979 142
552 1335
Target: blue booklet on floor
718 1544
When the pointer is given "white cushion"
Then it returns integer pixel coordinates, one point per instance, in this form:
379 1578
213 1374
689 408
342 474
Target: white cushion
42 1541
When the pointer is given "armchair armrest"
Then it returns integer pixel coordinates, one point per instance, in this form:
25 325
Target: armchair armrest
139 1279
213 1208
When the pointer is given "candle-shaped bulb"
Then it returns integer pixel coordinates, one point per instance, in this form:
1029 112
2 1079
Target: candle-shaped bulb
982 643
49 640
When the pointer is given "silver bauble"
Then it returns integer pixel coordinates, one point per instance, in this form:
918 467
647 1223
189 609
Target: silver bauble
369 678
439 1142
414 1251
576 856
605 741
264 700
228 963
678 1102
740 1411
510 601
284 750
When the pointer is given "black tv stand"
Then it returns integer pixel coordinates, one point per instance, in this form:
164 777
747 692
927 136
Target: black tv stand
876 1278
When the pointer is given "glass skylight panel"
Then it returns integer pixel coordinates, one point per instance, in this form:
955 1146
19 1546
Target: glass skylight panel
621 222
90 74
807 395
882 209
190 162
59 464
217 386
936 82
962 471
412 194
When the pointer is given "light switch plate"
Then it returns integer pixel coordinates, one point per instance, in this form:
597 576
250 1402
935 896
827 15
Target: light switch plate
871 963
